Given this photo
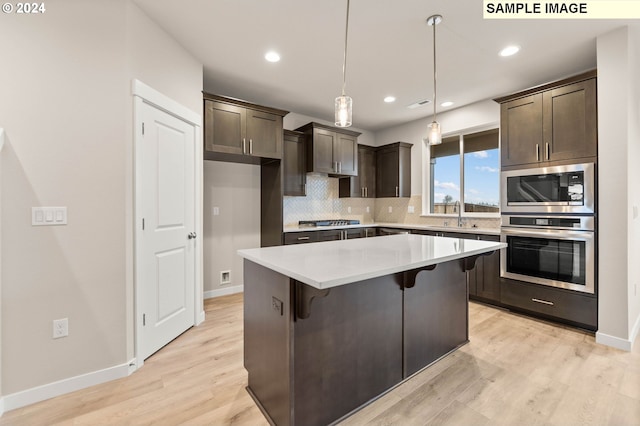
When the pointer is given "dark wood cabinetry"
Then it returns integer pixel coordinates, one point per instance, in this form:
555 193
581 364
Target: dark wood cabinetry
234 129
331 150
552 123
242 132
564 305
328 235
364 184
294 163
393 170
484 279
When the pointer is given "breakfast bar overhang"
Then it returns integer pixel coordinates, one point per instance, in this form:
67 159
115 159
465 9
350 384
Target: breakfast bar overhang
331 326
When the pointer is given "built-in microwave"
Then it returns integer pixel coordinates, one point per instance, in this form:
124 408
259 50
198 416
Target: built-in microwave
555 189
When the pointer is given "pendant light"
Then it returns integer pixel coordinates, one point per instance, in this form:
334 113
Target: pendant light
435 132
344 103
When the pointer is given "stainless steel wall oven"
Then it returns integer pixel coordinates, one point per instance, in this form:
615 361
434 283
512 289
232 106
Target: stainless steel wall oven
557 251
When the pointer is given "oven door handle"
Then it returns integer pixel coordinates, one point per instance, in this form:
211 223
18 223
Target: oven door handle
558 234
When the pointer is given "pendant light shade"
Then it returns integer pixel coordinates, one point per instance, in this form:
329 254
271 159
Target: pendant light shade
435 132
344 103
344 109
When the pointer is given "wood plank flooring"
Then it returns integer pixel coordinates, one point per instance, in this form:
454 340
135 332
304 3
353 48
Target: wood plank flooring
515 371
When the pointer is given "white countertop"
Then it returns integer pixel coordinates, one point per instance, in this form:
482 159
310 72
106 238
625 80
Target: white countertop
468 230
334 263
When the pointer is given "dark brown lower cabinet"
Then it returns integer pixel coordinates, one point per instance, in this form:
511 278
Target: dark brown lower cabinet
484 279
314 356
553 303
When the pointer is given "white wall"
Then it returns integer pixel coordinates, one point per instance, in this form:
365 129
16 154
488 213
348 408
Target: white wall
66 107
633 189
235 190
618 151
479 114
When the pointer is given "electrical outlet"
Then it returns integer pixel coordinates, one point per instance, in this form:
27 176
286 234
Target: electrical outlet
225 277
216 211
277 305
390 209
60 328
368 209
411 209
349 209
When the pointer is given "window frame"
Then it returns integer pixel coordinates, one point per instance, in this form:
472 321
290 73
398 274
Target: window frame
427 174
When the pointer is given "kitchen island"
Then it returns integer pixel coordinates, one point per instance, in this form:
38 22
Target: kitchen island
331 326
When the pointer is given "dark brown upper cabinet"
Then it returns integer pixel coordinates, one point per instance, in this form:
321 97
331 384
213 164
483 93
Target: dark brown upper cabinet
556 122
236 130
331 150
393 170
294 163
363 185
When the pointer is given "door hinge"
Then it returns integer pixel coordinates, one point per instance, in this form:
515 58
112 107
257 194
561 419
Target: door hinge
143 128
143 223
144 319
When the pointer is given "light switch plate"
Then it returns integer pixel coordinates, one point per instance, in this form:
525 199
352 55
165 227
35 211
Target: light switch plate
48 216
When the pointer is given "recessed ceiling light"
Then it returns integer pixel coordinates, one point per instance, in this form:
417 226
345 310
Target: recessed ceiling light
446 104
390 99
272 56
509 50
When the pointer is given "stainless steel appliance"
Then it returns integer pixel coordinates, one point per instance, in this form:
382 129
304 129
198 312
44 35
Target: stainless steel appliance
566 189
557 251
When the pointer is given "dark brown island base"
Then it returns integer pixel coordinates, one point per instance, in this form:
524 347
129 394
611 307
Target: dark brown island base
329 327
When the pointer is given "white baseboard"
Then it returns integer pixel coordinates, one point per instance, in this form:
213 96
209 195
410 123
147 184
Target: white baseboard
614 342
1 398
223 291
40 393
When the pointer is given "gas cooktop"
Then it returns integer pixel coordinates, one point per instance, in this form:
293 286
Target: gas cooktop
328 222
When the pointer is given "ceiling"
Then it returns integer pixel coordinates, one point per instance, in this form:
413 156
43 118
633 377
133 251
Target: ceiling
389 52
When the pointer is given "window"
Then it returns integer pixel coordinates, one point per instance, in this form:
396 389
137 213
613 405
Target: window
465 169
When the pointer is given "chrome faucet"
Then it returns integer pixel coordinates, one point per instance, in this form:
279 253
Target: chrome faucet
459 210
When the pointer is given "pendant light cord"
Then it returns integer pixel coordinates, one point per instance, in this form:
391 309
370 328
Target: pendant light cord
344 62
434 68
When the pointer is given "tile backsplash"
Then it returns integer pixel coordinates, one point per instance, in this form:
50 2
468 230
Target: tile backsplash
323 202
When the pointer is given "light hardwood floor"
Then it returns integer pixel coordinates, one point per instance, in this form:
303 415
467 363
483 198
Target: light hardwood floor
515 371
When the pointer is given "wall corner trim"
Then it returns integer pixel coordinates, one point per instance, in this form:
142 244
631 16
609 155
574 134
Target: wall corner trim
1 406
635 331
613 341
61 387
1 138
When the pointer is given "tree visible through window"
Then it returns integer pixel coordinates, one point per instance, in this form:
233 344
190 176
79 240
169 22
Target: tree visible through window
477 188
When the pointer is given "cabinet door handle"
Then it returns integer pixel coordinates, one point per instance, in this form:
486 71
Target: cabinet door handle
397 191
366 192
244 146
546 148
303 238
544 302
250 146
537 152
362 192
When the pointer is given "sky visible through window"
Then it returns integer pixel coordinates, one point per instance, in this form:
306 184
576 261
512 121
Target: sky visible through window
481 176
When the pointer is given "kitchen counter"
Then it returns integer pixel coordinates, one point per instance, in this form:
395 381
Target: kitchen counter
469 230
331 326
334 263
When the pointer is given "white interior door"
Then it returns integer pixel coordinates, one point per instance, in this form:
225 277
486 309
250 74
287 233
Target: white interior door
167 253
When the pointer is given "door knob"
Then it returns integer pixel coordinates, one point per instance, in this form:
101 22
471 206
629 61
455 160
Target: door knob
191 235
